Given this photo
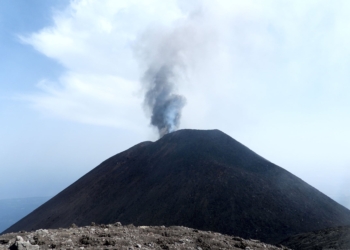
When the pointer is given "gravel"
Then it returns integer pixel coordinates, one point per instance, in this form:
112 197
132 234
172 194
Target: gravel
116 236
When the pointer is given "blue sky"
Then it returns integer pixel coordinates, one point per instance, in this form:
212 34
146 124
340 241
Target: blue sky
24 17
273 75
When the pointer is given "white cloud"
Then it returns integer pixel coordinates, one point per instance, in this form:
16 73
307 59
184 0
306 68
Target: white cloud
93 41
280 51
95 99
96 36
270 73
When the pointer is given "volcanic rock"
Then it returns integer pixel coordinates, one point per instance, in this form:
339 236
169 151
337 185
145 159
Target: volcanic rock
21 244
200 179
131 237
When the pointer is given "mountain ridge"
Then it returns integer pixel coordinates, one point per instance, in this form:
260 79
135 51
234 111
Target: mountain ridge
194 178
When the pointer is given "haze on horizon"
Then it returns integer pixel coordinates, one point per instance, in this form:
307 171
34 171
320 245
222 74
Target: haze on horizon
272 75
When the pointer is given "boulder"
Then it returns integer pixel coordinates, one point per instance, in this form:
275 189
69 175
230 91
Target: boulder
20 244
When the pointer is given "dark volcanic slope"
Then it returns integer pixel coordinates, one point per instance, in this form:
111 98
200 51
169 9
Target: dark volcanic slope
329 238
199 179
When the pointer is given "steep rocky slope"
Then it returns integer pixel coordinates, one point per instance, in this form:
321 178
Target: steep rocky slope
200 179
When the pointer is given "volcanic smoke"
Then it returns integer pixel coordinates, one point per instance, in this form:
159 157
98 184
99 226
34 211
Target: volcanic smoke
165 53
160 98
162 56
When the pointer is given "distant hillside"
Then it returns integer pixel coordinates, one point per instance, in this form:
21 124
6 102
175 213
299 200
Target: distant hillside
199 179
12 210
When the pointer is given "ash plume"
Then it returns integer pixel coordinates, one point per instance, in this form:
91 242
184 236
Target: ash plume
165 53
163 56
160 98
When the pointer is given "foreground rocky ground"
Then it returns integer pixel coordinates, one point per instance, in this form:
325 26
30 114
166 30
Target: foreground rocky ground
116 236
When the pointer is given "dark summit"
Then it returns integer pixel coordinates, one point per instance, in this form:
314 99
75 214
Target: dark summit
199 179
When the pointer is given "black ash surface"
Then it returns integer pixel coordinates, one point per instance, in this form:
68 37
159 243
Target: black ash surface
199 179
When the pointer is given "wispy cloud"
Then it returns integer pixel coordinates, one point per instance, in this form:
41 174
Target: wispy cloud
95 99
93 41
290 51
270 68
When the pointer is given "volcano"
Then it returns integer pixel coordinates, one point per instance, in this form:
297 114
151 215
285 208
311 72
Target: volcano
193 178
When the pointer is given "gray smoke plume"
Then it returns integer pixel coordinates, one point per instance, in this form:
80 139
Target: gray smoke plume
164 54
160 98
